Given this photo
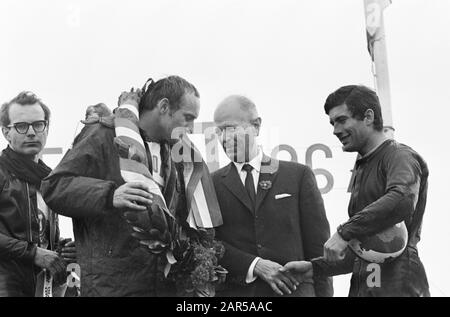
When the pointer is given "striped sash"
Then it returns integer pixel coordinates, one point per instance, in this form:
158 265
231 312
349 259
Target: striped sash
132 153
204 210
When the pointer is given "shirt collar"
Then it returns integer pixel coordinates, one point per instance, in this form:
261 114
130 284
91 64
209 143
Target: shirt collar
372 152
255 162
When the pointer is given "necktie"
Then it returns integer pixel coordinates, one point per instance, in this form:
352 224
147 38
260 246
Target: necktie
249 183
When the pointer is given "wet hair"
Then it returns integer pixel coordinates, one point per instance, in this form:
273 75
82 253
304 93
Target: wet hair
173 88
25 98
358 99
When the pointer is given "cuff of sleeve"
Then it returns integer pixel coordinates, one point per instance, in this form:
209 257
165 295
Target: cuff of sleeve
316 265
110 198
30 253
250 278
344 233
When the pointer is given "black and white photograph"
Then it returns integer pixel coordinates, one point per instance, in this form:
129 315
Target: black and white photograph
246 150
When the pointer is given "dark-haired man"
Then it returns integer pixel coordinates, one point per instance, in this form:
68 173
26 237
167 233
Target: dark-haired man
389 186
29 231
87 185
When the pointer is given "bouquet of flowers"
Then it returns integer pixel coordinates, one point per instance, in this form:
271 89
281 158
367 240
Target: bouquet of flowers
197 271
192 255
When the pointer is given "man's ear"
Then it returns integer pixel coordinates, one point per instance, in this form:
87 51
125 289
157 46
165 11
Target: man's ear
257 124
163 106
5 132
369 117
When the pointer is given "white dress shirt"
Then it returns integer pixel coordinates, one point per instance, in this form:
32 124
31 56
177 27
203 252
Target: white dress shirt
256 164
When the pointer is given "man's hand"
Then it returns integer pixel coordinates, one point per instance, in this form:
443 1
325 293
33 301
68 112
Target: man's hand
156 241
49 260
269 272
334 249
131 97
301 270
150 228
69 252
133 195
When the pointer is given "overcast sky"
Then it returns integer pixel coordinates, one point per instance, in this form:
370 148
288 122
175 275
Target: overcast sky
286 55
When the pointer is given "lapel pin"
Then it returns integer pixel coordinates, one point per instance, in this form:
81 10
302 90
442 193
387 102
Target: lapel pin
265 185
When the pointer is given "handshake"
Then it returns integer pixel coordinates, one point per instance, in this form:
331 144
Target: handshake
284 279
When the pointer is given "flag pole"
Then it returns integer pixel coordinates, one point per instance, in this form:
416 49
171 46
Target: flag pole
376 44
376 39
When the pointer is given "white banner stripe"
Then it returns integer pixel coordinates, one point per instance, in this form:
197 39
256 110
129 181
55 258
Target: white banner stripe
188 170
196 214
135 177
202 206
122 131
191 221
132 108
199 206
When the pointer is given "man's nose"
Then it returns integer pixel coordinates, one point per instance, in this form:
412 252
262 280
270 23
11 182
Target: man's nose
229 135
337 130
190 127
31 131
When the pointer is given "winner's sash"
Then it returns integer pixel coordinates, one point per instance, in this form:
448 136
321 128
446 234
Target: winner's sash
204 211
132 153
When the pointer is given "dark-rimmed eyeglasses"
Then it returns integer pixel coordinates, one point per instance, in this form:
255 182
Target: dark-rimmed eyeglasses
23 127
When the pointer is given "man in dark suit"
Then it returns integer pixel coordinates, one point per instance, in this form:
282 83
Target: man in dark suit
272 211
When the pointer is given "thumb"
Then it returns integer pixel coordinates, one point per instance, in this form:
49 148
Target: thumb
287 267
294 266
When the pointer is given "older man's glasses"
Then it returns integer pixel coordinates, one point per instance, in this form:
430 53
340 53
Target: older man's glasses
23 127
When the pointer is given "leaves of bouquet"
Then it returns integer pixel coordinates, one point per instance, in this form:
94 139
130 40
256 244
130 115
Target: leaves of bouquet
150 228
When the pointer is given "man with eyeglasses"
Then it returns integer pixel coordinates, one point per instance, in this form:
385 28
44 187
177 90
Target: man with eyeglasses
272 211
29 231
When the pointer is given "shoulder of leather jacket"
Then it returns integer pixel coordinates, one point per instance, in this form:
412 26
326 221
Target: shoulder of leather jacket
107 121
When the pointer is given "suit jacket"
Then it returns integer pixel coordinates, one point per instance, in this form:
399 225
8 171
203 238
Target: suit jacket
281 230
